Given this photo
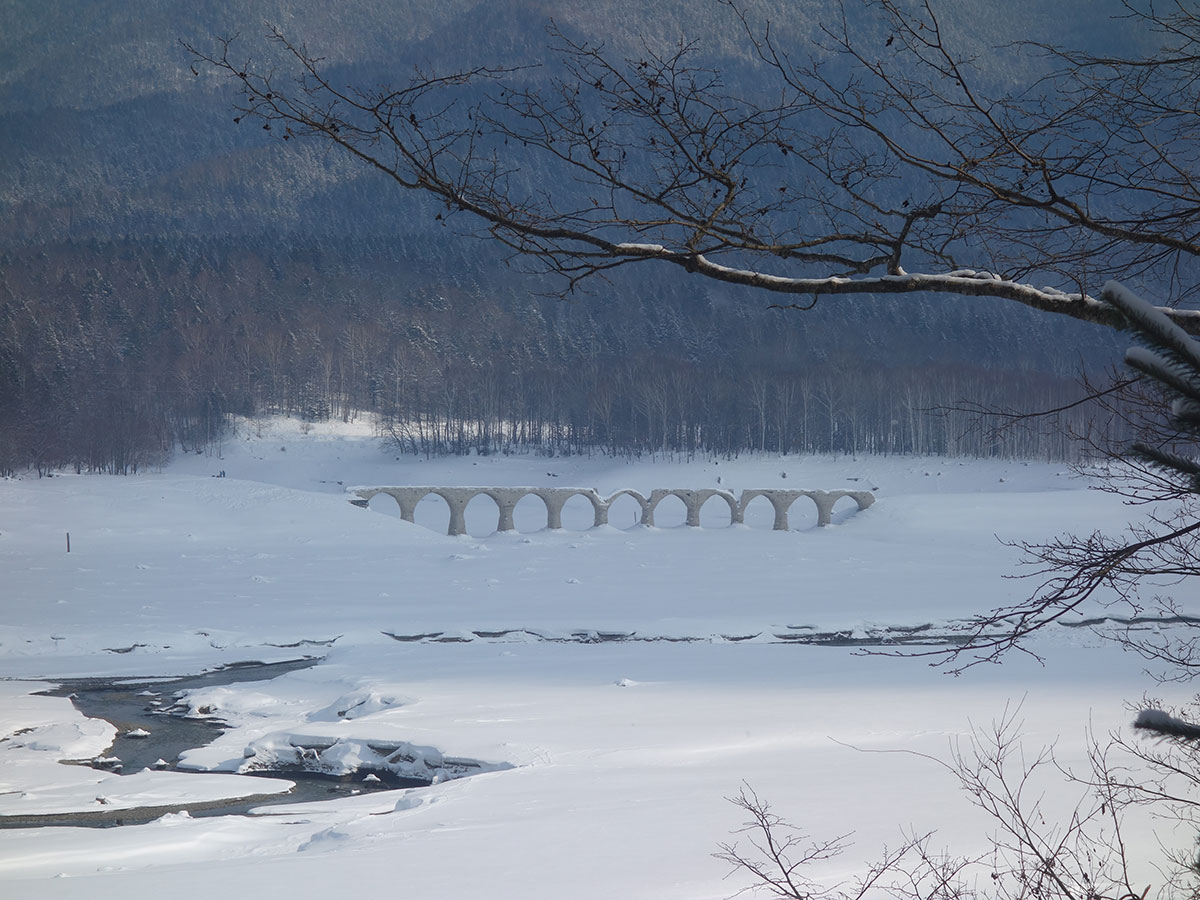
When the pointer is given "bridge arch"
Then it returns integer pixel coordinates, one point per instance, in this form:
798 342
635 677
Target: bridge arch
485 505
644 517
530 512
704 498
755 511
656 500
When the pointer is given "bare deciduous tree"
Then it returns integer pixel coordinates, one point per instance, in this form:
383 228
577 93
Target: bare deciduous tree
1158 473
1076 854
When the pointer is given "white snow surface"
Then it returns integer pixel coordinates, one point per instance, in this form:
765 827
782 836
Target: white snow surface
594 768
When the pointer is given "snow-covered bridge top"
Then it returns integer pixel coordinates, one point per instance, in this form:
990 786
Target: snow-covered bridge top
506 499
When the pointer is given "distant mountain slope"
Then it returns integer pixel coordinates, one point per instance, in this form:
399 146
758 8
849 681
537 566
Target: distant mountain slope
129 199
104 129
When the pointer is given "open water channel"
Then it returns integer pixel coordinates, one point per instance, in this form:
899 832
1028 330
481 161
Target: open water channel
136 707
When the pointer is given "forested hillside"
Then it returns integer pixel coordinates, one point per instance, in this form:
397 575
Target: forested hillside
162 267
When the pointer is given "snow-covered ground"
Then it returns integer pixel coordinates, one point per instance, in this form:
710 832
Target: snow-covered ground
603 765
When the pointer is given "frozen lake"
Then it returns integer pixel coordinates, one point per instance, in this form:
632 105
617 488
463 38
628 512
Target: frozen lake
606 689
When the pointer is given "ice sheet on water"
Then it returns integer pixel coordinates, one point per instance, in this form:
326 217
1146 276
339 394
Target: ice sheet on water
357 704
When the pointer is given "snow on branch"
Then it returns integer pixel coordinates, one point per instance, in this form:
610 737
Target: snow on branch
1162 724
962 282
1170 341
1151 320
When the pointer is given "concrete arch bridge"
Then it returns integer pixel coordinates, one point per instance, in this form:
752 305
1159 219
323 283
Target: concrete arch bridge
507 498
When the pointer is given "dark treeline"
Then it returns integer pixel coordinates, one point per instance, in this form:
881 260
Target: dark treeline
650 405
112 355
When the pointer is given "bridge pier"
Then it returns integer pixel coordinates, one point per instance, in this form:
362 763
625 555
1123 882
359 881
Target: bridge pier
408 507
507 505
781 506
824 503
554 507
458 514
